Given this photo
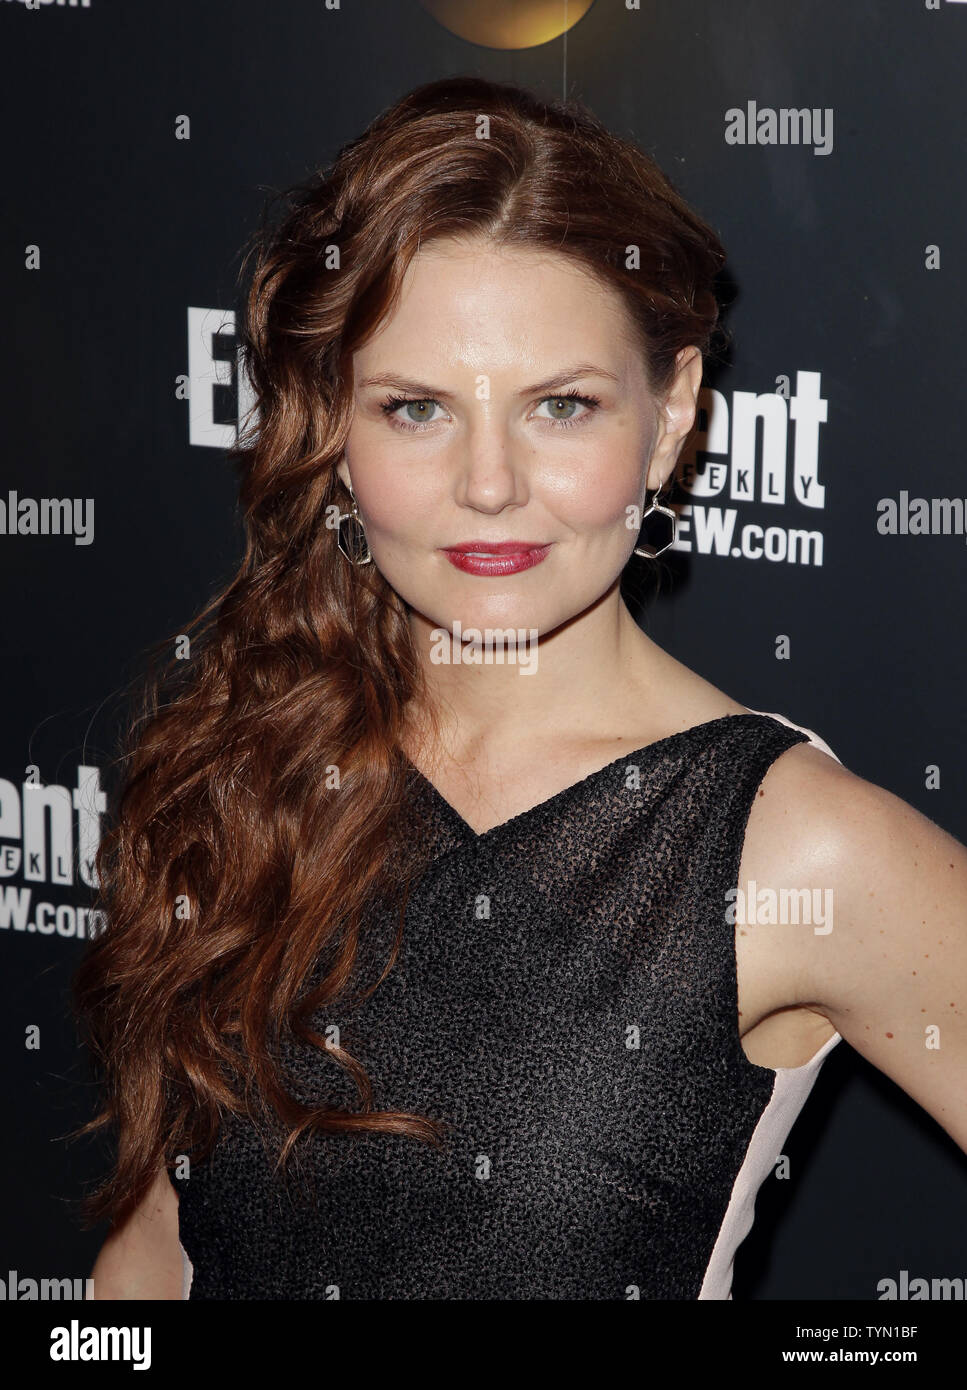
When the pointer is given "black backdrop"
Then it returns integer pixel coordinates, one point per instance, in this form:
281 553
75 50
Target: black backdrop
119 257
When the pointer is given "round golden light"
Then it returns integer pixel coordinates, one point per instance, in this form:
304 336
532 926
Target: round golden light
507 23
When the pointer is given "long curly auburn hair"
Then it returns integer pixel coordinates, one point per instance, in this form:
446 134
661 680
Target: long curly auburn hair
234 863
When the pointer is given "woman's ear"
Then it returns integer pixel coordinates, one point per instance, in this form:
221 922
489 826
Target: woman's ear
342 469
676 416
681 404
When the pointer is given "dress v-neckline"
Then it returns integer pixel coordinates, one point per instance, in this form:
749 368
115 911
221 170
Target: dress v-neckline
479 836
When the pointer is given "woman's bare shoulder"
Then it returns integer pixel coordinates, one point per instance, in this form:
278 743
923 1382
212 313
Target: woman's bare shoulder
143 1258
801 808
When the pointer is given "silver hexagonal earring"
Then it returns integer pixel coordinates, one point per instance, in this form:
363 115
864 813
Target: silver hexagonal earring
351 537
669 526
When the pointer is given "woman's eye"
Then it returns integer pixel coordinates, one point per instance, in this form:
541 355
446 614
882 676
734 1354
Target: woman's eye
562 408
416 413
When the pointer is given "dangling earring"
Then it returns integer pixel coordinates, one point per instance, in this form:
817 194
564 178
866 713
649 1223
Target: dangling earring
648 551
352 540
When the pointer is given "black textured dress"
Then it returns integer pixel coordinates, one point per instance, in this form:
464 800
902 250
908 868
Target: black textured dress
566 1000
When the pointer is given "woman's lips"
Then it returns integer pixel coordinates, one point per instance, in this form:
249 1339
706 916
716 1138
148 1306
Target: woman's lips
495 558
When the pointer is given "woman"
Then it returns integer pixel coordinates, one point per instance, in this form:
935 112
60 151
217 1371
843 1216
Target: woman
425 975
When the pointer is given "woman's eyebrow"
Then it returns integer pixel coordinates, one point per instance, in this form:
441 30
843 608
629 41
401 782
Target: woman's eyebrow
552 383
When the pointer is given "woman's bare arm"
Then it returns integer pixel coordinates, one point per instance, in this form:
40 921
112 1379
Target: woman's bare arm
143 1258
889 967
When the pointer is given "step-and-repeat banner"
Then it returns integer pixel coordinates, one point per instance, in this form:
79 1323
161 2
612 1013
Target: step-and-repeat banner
819 568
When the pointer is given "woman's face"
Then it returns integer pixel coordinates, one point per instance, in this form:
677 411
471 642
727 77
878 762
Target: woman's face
464 429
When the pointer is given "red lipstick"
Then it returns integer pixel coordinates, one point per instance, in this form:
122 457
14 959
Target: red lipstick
492 558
